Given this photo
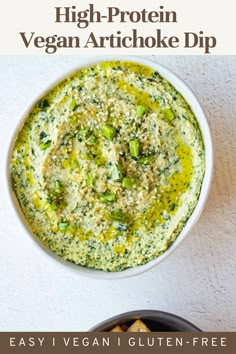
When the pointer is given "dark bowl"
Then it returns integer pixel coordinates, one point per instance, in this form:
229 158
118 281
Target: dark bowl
157 321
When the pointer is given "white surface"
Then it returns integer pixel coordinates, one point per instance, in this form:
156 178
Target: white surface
197 282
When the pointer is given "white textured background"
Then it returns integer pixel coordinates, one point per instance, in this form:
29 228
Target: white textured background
197 282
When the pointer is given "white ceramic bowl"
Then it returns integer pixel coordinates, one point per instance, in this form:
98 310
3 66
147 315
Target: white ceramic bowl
197 110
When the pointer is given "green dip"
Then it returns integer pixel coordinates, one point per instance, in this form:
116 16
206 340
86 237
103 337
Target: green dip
108 166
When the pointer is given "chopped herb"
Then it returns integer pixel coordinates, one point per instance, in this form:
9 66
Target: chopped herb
63 226
44 146
83 132
73 104
108 197
43 104
92 139
168 114
58 187
108 131
89 181
42 135
73 119
53 206
145 160
73 165
172 207
141 110
134 148
127 182
119 216
99 161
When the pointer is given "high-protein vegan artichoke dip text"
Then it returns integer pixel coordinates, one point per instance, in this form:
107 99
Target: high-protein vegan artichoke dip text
108 166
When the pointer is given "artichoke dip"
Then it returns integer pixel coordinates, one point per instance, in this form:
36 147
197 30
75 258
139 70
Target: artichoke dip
108 166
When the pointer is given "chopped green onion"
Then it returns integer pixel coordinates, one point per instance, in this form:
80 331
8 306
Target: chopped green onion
108 197
58 187
141 110
92 139
119 216
73 119
73 104
53 206
168 114
99 161
63 204
73 165
134 147
83 132
63 226
127 182
117 172
89 181
108 131
145 160
96 133
44 146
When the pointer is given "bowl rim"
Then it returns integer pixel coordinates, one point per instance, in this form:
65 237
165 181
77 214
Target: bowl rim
195 106
152 315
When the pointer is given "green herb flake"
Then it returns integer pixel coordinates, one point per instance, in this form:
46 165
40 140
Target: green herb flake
43 104
145 160
127 183
58 187
119 216
168 114
73 119
92 139
44 146
73 165
141 110
63 226
89 181
52 207
108 131
108 197
73 104
134 148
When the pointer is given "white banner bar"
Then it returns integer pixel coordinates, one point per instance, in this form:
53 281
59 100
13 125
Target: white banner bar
117 27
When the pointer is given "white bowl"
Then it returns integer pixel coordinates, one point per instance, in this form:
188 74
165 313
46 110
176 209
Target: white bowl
200 115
